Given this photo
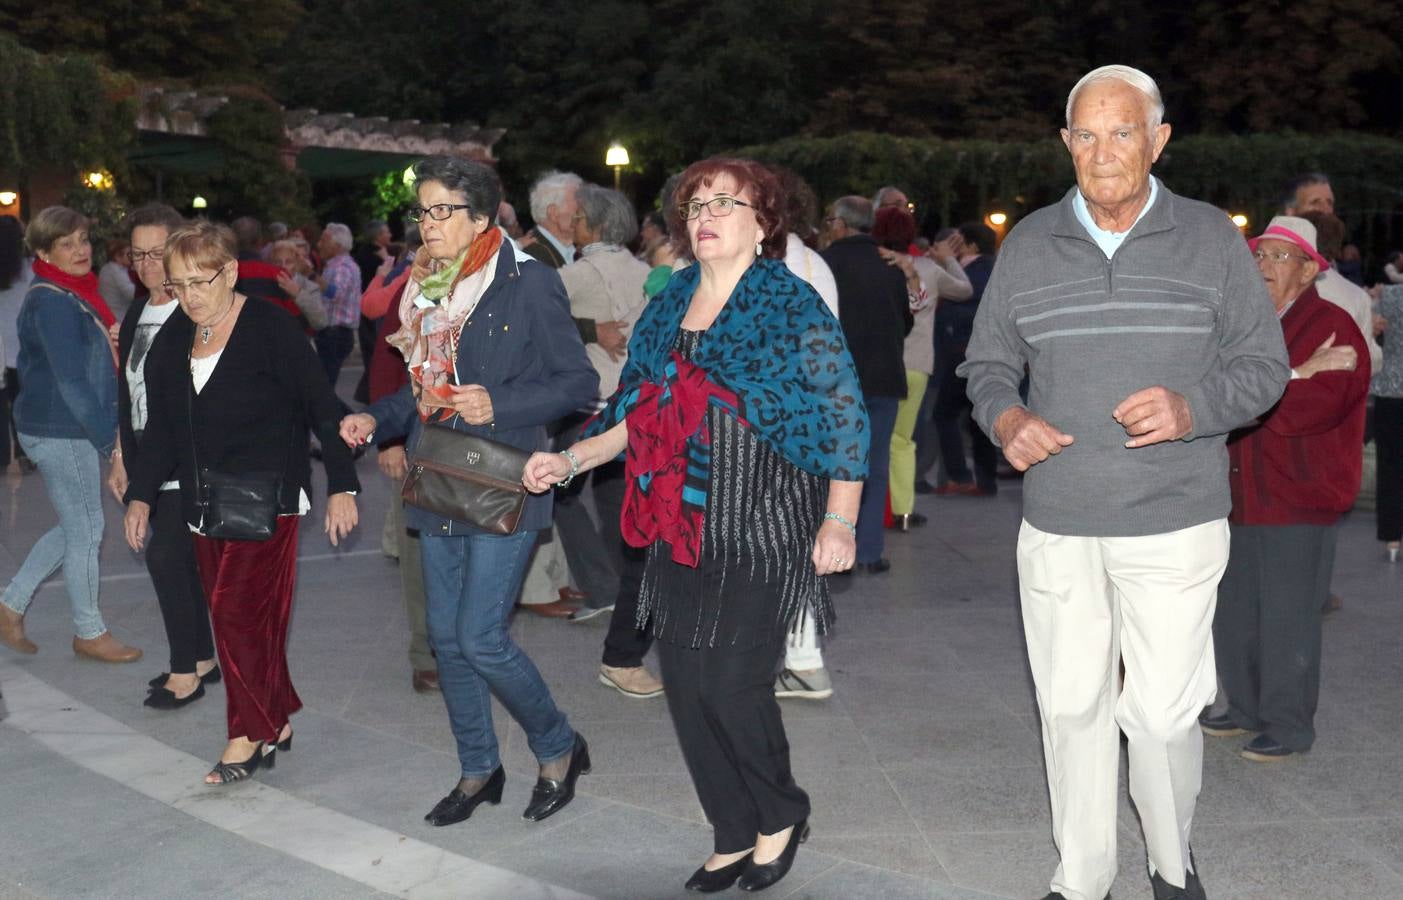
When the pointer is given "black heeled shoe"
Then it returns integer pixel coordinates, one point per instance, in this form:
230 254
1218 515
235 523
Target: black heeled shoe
164 698
758 876
213 676
285 745
457 806
549 796
705 881
229 773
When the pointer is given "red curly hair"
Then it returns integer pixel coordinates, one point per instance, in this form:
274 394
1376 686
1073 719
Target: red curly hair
756 181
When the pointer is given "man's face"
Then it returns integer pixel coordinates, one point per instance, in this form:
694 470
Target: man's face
382 239
1313 198
327 246
562 214
1285 268
894 200
1111 143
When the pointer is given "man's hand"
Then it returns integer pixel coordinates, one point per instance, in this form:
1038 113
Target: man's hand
472 402
394 462
1153 416
611 336
1329 358
1027 438
117 478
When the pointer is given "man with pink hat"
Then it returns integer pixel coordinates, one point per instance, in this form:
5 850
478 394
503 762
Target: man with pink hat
1292 474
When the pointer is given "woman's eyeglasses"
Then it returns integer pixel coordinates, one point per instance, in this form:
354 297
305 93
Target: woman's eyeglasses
438 212
197 285
718 206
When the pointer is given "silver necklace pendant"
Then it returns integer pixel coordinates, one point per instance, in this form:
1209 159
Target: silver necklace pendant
205 334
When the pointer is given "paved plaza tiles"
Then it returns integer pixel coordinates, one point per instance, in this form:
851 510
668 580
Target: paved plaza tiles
925 767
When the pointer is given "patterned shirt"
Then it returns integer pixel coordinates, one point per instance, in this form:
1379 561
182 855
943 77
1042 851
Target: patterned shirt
1388 380
342 291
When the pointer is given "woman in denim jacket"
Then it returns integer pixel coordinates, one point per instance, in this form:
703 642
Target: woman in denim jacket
66 417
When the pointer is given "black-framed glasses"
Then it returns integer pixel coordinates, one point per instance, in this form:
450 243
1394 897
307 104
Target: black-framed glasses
717 206
141 256
438 212
198 285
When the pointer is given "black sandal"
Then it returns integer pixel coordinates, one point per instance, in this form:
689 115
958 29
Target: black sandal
263 756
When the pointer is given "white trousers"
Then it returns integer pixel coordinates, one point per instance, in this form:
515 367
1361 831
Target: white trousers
1088 604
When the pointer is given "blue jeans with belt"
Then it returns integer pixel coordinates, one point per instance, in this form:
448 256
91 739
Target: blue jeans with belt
871 515
72 476
471 583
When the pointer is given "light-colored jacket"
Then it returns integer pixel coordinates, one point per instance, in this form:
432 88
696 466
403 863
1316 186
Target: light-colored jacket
1354 300
606 284
809 266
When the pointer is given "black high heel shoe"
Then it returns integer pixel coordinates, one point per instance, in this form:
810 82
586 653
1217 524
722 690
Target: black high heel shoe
457 806
237 771
759 876
285 745
709 881
549 796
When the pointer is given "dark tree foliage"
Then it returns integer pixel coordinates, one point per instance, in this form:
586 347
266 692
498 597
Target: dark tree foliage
198 40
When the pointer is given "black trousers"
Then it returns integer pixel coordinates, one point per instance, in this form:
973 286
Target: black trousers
334 343
951 402
1388 447
593 549
626 644
1266 630
170 558
9 439
728 722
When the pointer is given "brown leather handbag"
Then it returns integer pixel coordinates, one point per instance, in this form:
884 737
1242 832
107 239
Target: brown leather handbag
468 479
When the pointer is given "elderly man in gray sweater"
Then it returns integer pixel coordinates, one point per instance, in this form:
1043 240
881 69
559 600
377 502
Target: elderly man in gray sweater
1148 336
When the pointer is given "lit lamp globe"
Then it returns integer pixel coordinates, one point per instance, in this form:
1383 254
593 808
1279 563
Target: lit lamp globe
8 198
617 157
998 219
1239 220
199 202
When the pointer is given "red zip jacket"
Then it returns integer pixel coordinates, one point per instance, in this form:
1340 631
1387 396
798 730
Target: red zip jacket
1301 464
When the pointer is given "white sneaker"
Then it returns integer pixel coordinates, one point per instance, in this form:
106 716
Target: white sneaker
809 686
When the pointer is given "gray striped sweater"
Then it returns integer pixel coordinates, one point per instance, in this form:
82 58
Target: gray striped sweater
1181 304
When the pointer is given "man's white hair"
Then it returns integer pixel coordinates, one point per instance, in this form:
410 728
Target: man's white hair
341 235
1131 76
550 189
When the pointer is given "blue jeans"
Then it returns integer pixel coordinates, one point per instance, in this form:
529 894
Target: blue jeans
871 514
471 583
72 476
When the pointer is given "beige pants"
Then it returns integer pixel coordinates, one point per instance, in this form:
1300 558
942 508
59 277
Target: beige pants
1089 604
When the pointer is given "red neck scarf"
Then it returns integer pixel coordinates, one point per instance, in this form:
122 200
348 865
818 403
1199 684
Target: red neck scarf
85 286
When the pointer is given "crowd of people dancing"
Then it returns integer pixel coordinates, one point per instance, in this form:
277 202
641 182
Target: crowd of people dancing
721 412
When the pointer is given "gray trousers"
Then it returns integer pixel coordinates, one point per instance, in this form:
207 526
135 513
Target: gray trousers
1266 631
411 580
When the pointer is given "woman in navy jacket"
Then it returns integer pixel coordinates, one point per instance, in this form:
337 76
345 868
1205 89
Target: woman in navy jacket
491 351
66 417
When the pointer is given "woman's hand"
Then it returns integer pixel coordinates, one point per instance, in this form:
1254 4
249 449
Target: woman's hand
135 524
472 403
341 516
1329 358
545 470
394 462
835 548
356 429
117 478
900 260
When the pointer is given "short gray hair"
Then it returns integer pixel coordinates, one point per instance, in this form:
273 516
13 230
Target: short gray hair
1143 83
340 234
855 211
882 192
479 185
372 230
550 190
608 212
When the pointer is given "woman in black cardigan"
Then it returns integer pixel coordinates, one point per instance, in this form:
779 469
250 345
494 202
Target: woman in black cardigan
232 380
170 556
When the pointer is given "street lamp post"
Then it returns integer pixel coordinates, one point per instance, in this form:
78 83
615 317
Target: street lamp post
617 157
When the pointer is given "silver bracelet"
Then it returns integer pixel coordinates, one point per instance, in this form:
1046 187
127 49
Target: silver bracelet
574 468
842 520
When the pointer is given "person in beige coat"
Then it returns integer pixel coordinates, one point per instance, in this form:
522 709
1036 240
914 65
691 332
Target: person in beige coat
605 284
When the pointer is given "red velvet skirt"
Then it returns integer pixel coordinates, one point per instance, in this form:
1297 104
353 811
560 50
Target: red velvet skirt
249 586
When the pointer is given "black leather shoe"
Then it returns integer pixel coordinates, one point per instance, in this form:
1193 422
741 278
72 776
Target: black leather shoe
1192 889
758 876
457 806
549 796
1264 748
874 568
213 676
709 882
160 698
1220 726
